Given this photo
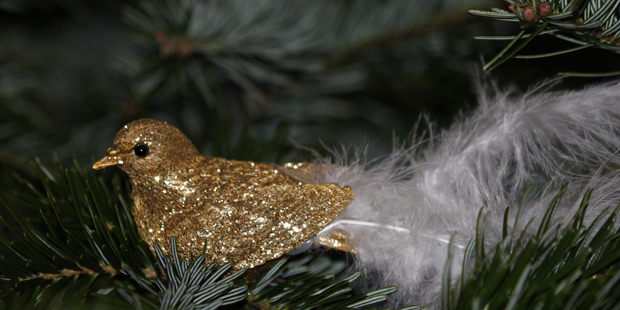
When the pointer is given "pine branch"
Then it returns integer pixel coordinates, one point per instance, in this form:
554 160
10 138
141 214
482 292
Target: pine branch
300 288
303 284
81 243
79 229
191 286
586 23
571 267
68 293
247 53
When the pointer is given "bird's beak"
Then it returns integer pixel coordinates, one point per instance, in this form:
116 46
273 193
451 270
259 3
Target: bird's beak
109 160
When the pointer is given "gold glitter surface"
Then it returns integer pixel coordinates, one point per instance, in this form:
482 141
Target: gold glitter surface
337 239
245 213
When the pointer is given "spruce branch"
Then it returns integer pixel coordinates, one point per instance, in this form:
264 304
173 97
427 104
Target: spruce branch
306 283
562 265
74 292
586 23
190 286
309 283
79 229
244 54
76 238
218 45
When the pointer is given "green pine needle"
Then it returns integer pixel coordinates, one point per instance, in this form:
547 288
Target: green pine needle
79 229
194 285
81 244
587 23
561 266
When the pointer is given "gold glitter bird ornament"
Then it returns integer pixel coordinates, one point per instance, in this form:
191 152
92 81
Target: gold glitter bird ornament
245 213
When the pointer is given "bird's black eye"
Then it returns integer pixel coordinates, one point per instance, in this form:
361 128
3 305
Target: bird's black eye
141 150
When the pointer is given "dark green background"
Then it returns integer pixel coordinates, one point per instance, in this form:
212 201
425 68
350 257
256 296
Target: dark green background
73 72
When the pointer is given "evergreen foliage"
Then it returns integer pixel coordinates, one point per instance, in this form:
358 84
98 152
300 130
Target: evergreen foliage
193 286
241 78
585 23
564 265
80 241
311 287
73 72
76 246
72 228
242 52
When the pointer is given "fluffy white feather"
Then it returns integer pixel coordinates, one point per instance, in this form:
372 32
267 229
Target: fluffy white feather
436 188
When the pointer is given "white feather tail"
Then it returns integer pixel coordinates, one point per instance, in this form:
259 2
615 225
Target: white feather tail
417 197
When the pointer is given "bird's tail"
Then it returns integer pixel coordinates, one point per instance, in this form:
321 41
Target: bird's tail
409 204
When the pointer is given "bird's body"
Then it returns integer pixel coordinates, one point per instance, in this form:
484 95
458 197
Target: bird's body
240 212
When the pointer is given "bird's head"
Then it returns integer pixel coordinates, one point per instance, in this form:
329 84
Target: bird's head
148 145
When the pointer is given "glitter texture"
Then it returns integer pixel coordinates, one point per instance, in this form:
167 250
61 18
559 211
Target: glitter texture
245 213
337 239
